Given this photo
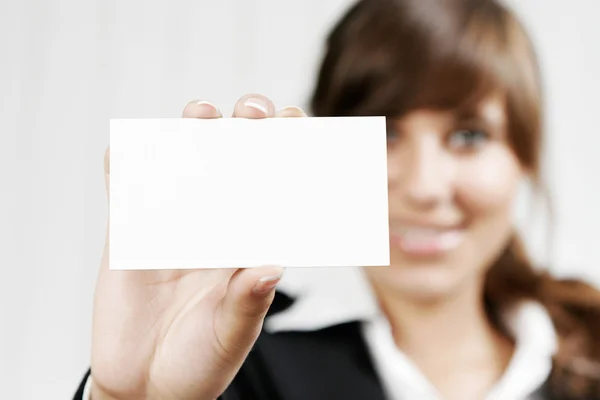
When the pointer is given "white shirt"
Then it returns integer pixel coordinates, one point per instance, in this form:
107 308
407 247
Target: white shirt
332 296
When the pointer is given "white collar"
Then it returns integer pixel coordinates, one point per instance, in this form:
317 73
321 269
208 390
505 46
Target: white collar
331 296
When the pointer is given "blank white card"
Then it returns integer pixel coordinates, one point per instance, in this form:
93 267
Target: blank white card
241 193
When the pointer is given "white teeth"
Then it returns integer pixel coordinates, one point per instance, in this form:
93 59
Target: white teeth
421 239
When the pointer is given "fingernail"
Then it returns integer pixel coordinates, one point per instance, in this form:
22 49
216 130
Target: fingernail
291 111
258 104
204 111
266 284
207 103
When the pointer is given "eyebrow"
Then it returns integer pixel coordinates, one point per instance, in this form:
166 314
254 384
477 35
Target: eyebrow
477 118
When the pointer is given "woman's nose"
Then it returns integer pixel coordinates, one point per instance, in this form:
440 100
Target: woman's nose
421 174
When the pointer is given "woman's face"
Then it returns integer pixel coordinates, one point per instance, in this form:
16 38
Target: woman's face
452 181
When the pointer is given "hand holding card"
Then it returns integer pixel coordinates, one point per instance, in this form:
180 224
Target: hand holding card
170 323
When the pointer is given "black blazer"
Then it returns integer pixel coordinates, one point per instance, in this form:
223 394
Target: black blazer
327 364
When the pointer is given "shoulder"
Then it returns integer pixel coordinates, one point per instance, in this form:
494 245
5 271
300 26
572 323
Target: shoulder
574 308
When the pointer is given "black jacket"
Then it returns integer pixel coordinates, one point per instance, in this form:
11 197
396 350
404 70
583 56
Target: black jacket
327 364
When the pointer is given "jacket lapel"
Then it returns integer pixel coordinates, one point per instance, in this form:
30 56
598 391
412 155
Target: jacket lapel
332 363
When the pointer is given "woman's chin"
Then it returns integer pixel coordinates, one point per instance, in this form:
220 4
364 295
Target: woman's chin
421 282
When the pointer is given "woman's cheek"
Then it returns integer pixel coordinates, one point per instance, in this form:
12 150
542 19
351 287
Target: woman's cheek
489 180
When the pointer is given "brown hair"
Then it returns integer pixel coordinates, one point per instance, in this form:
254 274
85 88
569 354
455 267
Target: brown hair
387 57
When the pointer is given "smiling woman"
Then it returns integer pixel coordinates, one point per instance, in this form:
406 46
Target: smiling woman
460 84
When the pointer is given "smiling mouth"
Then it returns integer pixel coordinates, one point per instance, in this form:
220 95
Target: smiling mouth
425 240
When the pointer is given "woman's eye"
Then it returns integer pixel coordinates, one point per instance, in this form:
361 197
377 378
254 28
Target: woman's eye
392 134
467 139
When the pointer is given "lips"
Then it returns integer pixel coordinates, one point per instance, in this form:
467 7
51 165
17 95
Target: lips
426 240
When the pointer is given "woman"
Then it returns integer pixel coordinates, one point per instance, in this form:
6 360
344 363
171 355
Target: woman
459 314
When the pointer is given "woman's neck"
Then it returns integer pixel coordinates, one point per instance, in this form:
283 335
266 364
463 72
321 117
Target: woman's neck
451 340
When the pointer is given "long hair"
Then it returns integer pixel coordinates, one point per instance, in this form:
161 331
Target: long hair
388 57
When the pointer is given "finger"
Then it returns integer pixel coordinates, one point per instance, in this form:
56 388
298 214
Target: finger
290 112
241 312
201 109
254 106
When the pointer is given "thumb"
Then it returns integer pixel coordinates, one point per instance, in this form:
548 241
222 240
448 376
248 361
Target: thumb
242 311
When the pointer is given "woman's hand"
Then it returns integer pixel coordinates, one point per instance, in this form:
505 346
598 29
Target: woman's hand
179 334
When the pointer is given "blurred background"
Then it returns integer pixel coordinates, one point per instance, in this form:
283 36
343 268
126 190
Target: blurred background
68 66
